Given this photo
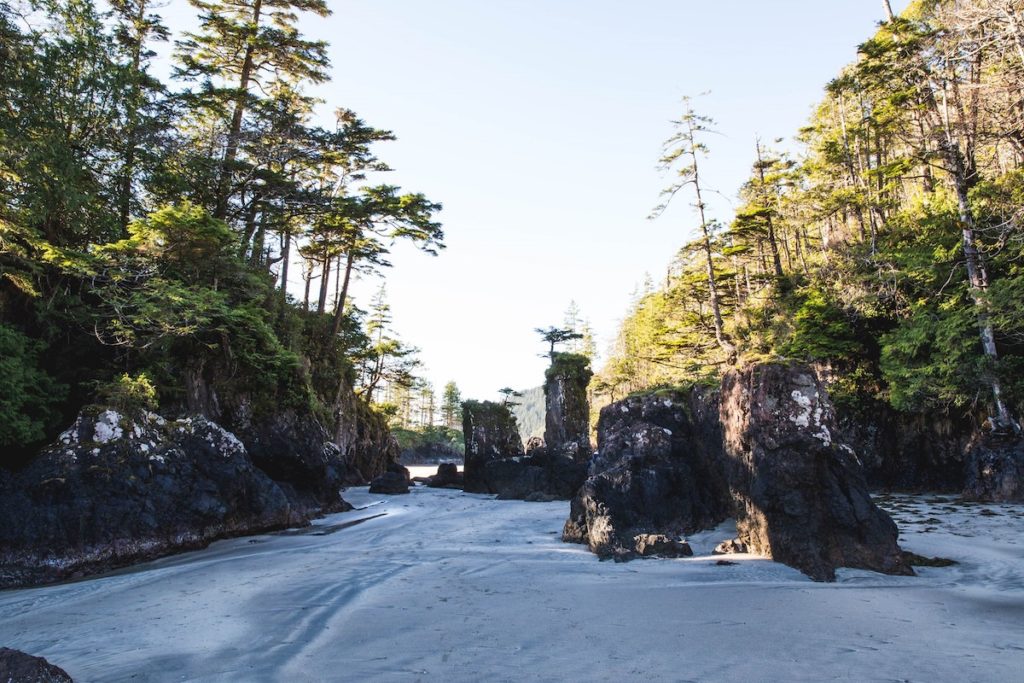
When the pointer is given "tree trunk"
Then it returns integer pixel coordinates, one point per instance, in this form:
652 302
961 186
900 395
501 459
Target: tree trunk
286 255
235 131
132 119
325 284
889 16
772 243
978 279
339 311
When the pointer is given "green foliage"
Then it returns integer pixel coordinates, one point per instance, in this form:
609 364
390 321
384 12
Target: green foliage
29 397
573 366
425 438
886 255
932 360
129 395
821 329
141 228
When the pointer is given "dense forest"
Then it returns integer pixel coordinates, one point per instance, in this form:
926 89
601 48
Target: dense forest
888 249
172 245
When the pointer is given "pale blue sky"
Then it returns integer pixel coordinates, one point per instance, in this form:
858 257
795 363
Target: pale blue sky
538 124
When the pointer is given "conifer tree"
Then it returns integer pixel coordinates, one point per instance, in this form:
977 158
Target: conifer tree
681 155
241 47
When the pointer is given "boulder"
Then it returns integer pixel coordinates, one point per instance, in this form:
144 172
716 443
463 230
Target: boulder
995 468
801 498
732 547
18 667
491 433
117 489
390 483
447 477
659 545
659 469
567 416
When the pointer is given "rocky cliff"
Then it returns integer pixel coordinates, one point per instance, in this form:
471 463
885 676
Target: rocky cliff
123 486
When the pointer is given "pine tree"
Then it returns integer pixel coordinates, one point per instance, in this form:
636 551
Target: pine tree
451 406
681 154
241 48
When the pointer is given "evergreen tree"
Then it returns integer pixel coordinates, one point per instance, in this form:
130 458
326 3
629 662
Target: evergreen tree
451 406
681 154
240 49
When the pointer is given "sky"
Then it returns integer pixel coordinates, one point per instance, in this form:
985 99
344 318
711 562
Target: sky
538 125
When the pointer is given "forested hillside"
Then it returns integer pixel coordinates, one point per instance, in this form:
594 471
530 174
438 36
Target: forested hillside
888 249
181 244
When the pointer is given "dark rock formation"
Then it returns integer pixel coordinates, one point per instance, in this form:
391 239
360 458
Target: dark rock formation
363 437
296 452
908 451
672 463
491 434
307 454
495 462
115 490
567 418
447 477
732 547
659 545
995 468
390 483
540 476
659 469
801 497
18 667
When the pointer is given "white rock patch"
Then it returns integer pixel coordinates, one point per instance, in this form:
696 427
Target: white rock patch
108 427
802 418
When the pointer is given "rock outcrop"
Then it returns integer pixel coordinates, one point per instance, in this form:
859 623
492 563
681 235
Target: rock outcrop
538 476
496 463
115 489
297 452
801 498
491 433
567 416
18 667
995 468
762 449
390 483
362 435
447 477
658 470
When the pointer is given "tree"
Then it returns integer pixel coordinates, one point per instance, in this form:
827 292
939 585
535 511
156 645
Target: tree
386 359
144 113
242 44
905 61
507 394
451 406
556 335
681 154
